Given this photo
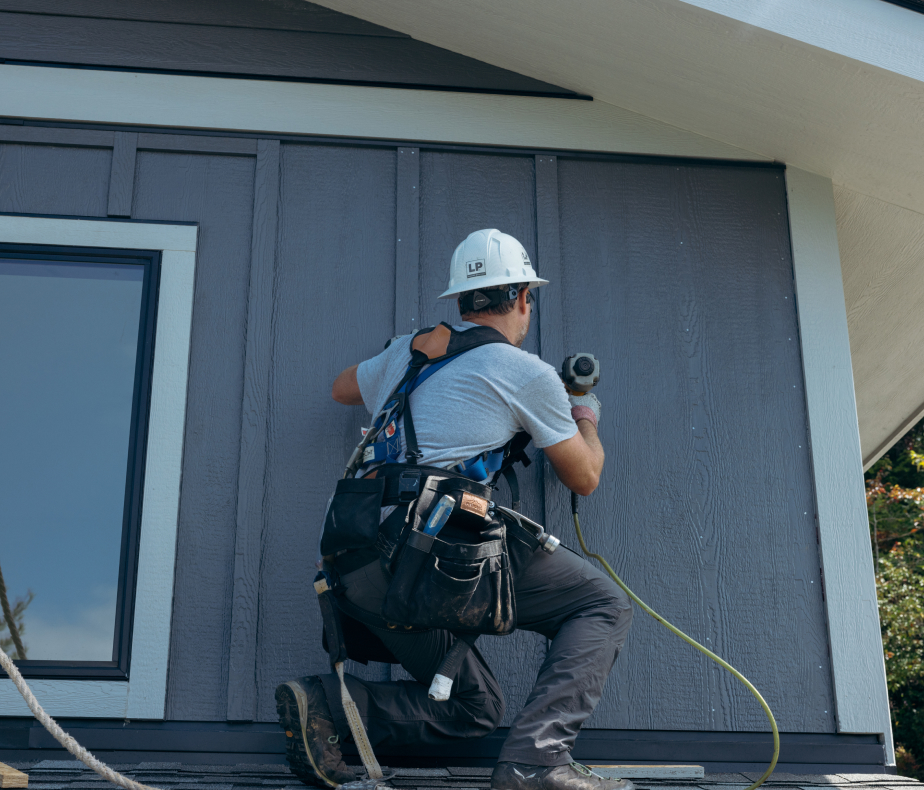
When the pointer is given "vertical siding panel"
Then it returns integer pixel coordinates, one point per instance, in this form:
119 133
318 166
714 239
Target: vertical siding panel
252 474
680 280
45 179
407 256
551 324
461 193
216 192
122 174
334 307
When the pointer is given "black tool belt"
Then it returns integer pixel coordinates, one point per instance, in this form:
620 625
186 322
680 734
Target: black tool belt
460 579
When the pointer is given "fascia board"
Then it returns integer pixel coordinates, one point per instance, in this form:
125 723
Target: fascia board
62 94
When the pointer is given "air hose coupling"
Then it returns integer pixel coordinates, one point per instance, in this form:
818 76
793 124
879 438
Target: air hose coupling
547 542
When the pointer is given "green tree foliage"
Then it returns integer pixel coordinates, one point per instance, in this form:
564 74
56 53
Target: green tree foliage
18 608
895 498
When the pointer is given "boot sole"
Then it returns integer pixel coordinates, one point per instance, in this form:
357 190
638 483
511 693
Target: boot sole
292 707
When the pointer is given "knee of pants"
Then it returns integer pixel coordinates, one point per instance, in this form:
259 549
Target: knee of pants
489 716
485 710
614 602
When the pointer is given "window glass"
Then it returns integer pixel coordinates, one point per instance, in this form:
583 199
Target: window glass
68 345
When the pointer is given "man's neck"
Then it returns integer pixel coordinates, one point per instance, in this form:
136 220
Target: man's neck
497 322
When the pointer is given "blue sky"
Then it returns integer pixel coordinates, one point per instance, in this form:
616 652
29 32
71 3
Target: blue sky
68 337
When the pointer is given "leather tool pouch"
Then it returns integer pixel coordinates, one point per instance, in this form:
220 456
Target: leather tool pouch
352 520
460 579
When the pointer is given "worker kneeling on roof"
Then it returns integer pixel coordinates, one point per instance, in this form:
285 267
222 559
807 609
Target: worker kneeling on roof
422 560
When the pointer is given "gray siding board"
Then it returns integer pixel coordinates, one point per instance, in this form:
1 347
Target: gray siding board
407 251
461 193
706 491
196 144
549 308
41 179
90 138
548 262
251 51
702 427
266 14
252 471
334 307
216 192
122 174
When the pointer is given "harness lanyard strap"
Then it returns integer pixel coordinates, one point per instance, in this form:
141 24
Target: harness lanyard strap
338 653
357 729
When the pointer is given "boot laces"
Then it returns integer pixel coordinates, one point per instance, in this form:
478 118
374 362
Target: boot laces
584 770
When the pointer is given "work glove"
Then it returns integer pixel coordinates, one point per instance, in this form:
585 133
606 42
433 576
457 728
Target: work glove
585 407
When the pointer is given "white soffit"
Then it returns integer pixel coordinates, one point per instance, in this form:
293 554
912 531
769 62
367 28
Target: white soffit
832 86
882 259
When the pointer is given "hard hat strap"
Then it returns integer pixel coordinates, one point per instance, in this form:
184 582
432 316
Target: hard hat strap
478 300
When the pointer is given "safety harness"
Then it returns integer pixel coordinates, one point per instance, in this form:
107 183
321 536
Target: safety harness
431 350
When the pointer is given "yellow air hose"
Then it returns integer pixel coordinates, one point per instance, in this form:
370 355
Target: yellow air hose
705 650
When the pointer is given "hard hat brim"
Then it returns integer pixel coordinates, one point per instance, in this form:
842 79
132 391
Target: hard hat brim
488 282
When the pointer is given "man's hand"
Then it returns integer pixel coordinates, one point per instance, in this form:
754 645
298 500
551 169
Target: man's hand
578 461
585 407
346 388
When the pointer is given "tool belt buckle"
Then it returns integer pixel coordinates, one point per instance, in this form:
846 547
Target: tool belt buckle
408 486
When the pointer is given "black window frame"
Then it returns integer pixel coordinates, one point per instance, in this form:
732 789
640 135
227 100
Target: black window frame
118 668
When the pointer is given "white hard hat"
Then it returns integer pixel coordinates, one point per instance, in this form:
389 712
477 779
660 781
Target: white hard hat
488 258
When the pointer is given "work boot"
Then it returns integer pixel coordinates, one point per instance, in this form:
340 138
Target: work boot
312 743
517 776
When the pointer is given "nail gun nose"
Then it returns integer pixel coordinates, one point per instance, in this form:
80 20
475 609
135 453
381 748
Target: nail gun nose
583 366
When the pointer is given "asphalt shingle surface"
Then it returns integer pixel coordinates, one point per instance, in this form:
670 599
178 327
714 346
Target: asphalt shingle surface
68 775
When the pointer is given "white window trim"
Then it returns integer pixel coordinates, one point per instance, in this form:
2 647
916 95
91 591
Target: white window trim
143 696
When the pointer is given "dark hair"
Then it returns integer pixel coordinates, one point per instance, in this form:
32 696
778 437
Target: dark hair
496 309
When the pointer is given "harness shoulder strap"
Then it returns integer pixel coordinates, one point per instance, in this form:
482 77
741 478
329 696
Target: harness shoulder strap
442 341
437 347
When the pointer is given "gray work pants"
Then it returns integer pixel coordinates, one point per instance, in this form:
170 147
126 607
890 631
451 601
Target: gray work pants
561 596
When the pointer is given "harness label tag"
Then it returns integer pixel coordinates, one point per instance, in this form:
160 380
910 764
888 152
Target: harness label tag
390 430
474 504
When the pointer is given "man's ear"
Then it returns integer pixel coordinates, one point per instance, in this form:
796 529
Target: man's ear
521 301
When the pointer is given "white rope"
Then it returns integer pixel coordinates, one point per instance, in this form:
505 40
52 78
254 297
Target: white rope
61 736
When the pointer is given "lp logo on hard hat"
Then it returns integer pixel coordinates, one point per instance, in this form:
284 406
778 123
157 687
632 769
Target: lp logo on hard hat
475 268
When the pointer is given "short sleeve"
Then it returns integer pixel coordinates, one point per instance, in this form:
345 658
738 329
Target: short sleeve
543 410
372 375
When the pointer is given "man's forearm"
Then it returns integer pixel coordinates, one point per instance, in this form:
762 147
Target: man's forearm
589 434
578 461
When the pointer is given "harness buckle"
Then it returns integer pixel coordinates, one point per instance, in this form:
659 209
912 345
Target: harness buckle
408 485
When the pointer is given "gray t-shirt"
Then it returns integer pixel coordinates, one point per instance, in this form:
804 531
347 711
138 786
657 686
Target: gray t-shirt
475 403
